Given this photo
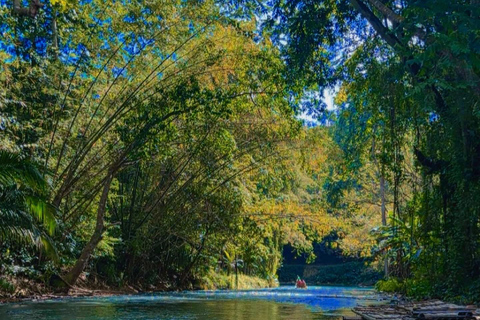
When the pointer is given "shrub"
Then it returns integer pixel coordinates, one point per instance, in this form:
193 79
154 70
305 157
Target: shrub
391 285
6 287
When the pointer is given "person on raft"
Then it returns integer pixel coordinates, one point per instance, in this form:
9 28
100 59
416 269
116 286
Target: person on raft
300 283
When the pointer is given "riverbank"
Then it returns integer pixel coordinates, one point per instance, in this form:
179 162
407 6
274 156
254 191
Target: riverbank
17 289
220 281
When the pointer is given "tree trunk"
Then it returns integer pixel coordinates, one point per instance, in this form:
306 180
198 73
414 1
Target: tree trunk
81 263
54 33
384 216
382 197
383 201
236 270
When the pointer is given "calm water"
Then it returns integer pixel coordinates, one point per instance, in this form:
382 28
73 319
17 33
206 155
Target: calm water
280 303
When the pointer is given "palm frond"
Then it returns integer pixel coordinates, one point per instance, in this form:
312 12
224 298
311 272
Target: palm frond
49 247
19 227
16 170
43 212
25 216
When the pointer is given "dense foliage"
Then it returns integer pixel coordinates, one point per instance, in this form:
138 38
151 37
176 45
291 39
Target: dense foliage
152 145
407 77
156 143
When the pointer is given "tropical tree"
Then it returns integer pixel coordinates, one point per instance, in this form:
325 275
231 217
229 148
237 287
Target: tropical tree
26 217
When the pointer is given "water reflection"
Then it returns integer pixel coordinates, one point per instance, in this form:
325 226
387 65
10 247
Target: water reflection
281 303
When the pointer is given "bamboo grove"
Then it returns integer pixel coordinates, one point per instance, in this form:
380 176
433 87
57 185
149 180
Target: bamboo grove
140 132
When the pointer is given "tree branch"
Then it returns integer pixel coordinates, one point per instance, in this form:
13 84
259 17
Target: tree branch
431 165
376 24
387 12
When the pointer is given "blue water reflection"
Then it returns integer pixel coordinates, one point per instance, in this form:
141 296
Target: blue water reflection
279 303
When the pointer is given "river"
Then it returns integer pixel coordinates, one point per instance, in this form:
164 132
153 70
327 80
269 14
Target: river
284 302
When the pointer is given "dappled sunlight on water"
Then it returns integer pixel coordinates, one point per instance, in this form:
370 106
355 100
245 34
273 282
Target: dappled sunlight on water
279 303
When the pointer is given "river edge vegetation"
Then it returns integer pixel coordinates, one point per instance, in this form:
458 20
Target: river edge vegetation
155 144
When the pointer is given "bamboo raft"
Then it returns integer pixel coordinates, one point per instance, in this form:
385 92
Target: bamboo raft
435 310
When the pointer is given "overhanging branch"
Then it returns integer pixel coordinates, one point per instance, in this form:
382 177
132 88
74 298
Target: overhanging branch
376 24
387 12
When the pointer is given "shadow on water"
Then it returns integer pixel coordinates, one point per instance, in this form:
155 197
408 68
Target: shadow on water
279 303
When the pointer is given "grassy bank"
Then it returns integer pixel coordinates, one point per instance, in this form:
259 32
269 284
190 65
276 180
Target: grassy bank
214 281
426 289
23 288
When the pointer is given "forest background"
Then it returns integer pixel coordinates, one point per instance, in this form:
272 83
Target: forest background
158 144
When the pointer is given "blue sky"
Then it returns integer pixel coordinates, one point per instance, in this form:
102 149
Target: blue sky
328 99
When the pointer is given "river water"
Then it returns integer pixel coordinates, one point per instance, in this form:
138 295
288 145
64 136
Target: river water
284 302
